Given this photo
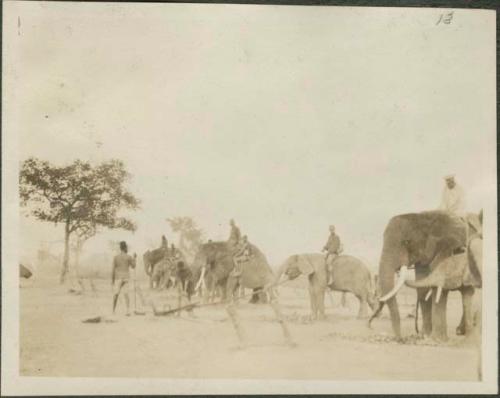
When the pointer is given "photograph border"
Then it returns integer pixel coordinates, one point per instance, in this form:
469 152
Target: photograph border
38 386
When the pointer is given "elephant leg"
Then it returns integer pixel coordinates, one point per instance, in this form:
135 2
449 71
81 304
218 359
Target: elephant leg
439 325
312 300
263 297
317 297
363 307
216 293
395 319
426 308
425 305
208 295
460 330
320 300
343 301
203 294
256 296
467 322
207 291
223 289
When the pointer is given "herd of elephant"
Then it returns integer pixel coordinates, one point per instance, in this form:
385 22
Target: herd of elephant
445 251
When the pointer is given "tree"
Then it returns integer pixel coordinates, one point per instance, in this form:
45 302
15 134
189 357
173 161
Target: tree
190 236
79 196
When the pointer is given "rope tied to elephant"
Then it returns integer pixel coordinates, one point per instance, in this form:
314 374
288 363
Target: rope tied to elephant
200 304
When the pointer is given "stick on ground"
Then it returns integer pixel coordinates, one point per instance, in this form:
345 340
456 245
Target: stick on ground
284 326
231 310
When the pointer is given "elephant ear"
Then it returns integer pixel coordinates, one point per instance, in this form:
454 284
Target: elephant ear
304 264
475 222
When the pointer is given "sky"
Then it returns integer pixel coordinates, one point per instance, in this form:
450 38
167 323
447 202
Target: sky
287 119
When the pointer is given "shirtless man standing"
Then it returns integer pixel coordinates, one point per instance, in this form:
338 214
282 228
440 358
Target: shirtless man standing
120 276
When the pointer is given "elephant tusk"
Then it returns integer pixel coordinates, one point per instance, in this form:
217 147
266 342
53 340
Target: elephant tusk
400 282
438 295
428 295
201 278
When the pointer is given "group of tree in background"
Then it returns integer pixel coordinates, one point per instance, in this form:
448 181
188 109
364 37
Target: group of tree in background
190 236
82 197
85 199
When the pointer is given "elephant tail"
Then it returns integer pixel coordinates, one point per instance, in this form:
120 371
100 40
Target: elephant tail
372 285
376 313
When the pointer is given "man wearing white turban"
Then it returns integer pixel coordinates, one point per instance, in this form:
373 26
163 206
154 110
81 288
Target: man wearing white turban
453 198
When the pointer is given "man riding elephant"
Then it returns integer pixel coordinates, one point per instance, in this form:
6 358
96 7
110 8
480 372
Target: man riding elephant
242 255
350 274
174 253
234 235
333 248
453 197
164 242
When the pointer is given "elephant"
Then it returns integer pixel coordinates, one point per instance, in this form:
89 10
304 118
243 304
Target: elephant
175 273
150 259
213 264
349 275
183 279
160 275
422 240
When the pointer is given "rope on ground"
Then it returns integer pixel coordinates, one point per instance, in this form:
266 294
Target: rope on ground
200 304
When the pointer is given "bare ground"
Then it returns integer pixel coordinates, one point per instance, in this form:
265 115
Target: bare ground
55 342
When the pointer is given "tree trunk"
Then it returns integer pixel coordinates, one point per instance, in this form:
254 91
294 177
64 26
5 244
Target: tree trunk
78 250
64 270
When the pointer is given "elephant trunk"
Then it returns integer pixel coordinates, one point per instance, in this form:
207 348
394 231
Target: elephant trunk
280 272
393 257
396 286
391 261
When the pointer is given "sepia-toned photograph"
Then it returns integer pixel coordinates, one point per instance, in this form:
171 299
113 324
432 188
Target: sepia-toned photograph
247 199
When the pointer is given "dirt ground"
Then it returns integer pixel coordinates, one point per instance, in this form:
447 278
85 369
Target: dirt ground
55 342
